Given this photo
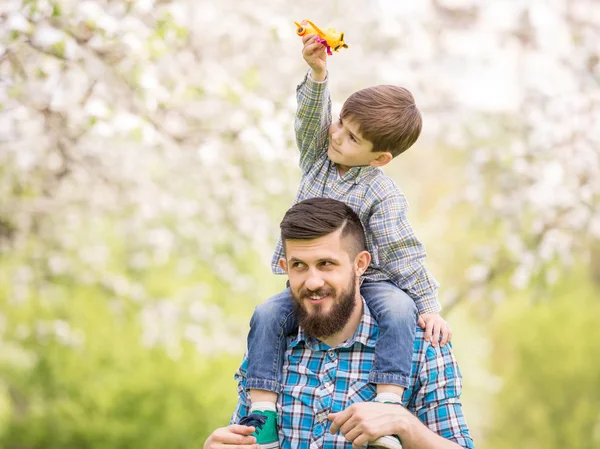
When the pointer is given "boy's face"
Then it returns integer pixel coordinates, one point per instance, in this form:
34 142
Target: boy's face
348 148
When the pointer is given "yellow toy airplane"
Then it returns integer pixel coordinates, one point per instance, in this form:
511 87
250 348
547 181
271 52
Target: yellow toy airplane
330 37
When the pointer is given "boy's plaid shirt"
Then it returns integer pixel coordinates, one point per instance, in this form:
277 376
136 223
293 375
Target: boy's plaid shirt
397 254
318 380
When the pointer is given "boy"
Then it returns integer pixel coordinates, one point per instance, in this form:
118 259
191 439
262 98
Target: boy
341 161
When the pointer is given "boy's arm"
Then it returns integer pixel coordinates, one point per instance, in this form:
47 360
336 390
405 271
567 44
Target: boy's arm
313 115
313 118
401 255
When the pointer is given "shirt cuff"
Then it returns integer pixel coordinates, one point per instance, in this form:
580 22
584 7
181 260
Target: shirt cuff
312 89
314 81
430 305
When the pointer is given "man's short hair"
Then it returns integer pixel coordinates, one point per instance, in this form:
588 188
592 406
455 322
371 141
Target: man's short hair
318 217
386 116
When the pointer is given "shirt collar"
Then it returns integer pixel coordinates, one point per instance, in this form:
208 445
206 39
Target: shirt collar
367 334
355 174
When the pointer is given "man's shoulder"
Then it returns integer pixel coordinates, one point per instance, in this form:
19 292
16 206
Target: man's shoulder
426 356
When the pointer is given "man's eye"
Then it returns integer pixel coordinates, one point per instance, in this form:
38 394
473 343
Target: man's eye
352 138
297 264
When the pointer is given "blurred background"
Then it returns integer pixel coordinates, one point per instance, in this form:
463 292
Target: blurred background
147 156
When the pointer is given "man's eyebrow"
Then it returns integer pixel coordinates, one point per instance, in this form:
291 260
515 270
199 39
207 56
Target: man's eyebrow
329 259
294 259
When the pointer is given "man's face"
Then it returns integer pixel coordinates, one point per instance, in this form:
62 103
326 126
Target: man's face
347 147
323 281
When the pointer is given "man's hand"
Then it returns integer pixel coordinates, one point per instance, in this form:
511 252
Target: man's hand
315 55
232 437
366 421
435 325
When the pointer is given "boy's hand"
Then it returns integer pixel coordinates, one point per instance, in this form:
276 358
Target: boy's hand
315 55
435 325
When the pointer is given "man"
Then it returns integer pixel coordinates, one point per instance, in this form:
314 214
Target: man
325 384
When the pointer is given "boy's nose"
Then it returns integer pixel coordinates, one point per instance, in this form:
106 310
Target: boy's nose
335 135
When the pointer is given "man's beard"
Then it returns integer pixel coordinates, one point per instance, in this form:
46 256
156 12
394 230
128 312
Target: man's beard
317 325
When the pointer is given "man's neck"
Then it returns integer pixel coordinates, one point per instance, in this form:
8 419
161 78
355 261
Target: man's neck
349 329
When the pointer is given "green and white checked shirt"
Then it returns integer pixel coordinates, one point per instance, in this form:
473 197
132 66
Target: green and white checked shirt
397 254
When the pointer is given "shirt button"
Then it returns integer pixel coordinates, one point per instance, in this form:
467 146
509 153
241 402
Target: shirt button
321 417
331 354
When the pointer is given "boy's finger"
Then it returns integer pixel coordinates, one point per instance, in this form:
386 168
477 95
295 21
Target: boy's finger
421 322
428 330
308 37
445 335
313 48
436 334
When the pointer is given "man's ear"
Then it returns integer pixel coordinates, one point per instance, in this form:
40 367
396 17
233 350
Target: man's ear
361 262
283 264
384 158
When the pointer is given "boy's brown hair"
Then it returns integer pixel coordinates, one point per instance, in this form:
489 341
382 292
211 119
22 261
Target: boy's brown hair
386 116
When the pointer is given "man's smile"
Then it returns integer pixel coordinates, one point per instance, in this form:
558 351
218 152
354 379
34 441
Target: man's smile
316 298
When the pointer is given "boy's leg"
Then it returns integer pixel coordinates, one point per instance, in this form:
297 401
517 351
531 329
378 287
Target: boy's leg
396 315
271 322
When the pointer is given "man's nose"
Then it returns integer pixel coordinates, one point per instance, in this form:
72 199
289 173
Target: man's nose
314 281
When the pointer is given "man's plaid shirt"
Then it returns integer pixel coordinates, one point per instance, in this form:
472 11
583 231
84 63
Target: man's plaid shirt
318 380
397 254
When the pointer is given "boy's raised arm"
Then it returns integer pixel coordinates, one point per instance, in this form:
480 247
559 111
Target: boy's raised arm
313 115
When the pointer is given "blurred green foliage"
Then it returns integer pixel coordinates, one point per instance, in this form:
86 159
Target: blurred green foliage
78 375
548 357
147 155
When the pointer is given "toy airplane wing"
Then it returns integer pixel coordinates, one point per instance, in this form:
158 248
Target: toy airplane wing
317 29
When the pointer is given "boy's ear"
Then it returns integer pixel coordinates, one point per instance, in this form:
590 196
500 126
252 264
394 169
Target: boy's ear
283 264
384 158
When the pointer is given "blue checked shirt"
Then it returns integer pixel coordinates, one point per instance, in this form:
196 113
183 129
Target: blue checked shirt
318 380
397 254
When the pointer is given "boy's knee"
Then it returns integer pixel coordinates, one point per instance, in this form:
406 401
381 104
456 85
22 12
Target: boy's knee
398 303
